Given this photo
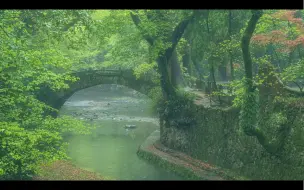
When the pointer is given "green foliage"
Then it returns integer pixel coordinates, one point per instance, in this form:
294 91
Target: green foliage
31 57
266 22
114 32
179 110
237 89
182 46
187 77
23 149
294 73
249 113
276 120
231 45
143 69
156 96
247 102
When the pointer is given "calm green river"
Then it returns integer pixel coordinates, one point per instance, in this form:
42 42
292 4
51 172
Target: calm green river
111 148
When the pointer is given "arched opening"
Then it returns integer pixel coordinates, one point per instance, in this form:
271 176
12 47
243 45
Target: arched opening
92 78
111 102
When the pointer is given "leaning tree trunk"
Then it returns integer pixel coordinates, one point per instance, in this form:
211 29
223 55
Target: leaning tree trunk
163 59
230 52
187 59
165 82
245 48
249 111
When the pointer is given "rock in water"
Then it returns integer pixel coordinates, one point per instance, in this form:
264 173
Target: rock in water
130 126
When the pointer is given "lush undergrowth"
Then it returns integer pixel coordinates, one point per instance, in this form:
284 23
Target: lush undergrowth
66 170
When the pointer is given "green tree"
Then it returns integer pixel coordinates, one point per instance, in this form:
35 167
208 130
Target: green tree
31 41
163 30
262 102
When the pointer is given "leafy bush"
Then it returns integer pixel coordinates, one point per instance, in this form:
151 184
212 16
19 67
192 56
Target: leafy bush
178 110
31 57
23 150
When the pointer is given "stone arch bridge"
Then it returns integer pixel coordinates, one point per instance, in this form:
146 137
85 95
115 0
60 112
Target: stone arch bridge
91 78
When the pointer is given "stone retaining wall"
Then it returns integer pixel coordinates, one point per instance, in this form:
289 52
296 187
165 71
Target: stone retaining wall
218 140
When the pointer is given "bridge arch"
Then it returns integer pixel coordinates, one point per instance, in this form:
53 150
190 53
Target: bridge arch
92 78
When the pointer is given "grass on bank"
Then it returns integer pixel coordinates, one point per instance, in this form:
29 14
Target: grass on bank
66 170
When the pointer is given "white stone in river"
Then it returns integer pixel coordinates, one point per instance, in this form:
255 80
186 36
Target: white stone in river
130 126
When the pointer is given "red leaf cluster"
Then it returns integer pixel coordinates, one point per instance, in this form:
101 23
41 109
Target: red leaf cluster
288 15
262 39
278 36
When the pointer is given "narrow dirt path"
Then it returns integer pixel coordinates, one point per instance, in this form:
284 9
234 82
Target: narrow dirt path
180 162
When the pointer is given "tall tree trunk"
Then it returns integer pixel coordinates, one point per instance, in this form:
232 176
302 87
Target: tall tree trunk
199 82
175 70
210 61
223 69
196 64
198 69
246 50
249 112
299 52
165 82
290 56
212 76
231 67
230 52
187 59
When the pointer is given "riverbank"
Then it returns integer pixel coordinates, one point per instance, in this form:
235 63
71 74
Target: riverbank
182 164
66 170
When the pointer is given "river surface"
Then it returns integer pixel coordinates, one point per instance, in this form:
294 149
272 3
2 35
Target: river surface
111 148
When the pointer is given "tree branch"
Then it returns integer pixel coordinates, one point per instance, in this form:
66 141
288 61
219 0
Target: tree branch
293 92
177 34
290 90
137 22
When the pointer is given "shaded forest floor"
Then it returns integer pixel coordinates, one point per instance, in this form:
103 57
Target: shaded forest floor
201 98
65 170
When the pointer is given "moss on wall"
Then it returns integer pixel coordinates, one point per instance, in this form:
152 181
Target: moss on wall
217 139
182 171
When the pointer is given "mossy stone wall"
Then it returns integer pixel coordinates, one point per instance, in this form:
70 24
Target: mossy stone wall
218 139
